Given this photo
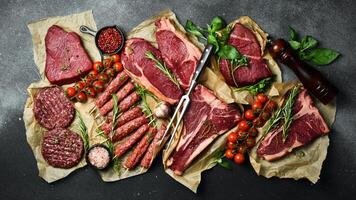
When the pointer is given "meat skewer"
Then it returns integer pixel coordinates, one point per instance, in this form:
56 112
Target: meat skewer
123 119
121 94
122 148
127 128
140 149
113 86
149 155
124 105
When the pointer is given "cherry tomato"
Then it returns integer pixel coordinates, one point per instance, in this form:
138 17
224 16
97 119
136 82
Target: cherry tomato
70 92
82 97
262 98
239 158
249 114
232 137
110 72
257 106
118 67
229 154
244 125
79 85
107 62
241 135
250 142
253 132
103 77
90 91
115 58
92 74
242 149
231 145
87 80
270 106
98 66
98 86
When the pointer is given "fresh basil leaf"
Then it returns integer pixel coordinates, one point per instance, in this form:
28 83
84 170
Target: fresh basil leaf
216 24
321 56
212 40
294 44
193 29
308 42
293 34
224 35
225 164
228 52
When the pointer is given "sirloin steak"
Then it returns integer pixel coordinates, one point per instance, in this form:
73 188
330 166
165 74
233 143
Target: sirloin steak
66 59
246 43
214 118
180 55
307 125
144 70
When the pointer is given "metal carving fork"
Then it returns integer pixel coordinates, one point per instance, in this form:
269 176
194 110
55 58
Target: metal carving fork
185 99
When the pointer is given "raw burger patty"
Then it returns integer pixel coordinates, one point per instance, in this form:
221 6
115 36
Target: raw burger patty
52 109
62 148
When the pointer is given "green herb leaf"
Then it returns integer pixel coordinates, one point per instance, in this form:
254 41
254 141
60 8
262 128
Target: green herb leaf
258 87
229 52
212 40
115 113
83 131
292 34
225 164
321 56
193 29
287 112
216 24
294 44
143 93
308 42
223 35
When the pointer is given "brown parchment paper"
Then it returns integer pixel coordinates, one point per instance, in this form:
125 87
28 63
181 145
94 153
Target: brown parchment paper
34 131
305 162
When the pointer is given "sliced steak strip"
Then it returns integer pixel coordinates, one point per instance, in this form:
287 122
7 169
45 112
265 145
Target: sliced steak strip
144 71
113 86
150 153
127 128
206 119
123 147
66 59
62 148
52 109
121 94
246 43
140 149
180 54
308 124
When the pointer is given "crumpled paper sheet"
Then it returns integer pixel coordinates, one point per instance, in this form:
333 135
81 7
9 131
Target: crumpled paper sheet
305 162
34 131
213 79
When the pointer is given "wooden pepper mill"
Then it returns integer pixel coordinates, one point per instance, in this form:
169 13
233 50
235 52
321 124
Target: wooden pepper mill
311 78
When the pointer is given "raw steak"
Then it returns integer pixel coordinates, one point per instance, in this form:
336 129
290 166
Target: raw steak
307 125
206 119
144 70
180 55
66 59
246 43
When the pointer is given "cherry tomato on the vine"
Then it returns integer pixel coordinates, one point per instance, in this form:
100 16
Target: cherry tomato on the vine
250 114
90 91
232 137
71 91
230 145
98 66
110 72
79 85
242 149
107 62
262 98
92 74
115 58
257 106
98 86
82 97
118 67
239 158
243 125
103 77
250 142
229 153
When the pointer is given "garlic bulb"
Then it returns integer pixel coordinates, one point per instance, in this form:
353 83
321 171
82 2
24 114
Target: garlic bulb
162 110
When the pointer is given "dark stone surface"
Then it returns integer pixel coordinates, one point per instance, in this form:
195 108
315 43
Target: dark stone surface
332 22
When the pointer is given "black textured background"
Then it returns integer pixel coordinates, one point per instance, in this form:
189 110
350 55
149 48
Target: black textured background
332 22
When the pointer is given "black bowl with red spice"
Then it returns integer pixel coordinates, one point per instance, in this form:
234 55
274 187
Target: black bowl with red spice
110 40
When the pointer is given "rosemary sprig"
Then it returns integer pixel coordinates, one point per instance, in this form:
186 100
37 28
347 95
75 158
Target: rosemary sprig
282 116
115 113
163 68
143 93
258 87
83 131
107 140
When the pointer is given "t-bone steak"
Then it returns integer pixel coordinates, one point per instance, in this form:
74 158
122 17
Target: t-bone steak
206 119
246 43
307 125
144 70
180 55
66 59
